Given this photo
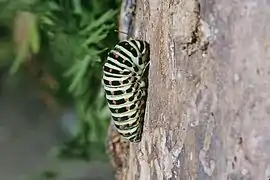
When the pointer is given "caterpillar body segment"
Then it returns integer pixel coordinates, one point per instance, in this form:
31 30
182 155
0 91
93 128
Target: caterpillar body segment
125 83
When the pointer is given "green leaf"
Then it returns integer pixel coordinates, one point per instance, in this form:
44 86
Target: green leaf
46 20
80 70
54 6
98 35
77 5
22 55
99 22
34 36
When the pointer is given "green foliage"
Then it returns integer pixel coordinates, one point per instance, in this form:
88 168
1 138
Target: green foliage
80 37
71 38
29 43
9 8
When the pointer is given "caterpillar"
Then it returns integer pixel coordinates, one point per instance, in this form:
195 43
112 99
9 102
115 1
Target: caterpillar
125 83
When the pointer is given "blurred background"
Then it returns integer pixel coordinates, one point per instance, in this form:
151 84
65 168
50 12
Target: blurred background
53 114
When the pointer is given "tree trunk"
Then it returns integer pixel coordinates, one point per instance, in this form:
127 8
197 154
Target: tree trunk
209 99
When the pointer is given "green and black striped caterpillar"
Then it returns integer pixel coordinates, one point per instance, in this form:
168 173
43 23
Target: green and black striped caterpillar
125 80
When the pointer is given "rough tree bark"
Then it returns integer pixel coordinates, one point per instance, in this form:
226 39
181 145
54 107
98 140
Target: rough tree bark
209 100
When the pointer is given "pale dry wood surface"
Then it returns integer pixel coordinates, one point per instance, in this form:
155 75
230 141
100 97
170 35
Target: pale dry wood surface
209 93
